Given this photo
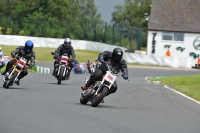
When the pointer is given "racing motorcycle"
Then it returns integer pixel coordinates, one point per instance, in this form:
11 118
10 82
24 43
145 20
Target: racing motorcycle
99 89
62 69
91 68
10 78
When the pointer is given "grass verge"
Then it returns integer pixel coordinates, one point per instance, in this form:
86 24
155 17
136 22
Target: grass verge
44 54
188 85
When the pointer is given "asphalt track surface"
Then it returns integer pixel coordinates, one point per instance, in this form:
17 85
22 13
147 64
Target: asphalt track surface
40 105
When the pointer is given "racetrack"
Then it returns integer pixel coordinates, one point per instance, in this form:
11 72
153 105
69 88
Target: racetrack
40 105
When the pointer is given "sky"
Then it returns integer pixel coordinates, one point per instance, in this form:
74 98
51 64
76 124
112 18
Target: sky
106 7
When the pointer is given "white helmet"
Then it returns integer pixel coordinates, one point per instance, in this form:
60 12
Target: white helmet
0 48
67 42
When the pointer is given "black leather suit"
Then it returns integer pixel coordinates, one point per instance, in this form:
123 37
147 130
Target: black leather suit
63 50
19 52
99 72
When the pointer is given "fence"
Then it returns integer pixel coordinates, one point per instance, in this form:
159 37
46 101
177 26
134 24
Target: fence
116 34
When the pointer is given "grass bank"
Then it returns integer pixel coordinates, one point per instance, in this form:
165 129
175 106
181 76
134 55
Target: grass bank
188 85
44 54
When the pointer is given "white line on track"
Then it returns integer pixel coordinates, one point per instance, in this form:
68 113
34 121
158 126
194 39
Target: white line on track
165 86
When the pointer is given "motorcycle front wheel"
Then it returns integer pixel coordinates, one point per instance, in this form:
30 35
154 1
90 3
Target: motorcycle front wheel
60 76
99 97
10 81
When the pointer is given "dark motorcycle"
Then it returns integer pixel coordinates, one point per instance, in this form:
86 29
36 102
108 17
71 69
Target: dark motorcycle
99 89
11 76
62 69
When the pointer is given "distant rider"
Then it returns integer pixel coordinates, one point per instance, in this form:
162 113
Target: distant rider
65 48
26 52
88 65
2 58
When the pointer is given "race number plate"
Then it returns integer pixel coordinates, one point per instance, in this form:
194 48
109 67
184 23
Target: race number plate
21 63
110 77
64 59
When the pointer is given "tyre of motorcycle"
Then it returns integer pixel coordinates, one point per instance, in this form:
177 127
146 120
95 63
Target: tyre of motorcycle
10 81
83 99
97 99
60 75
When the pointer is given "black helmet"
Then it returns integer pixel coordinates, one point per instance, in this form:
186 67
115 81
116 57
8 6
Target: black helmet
117 54
67 42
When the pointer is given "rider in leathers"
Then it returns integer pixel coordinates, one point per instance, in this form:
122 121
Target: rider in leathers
25 52
65 48
116 61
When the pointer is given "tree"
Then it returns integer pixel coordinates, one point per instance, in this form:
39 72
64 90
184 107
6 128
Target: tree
132 14
49 18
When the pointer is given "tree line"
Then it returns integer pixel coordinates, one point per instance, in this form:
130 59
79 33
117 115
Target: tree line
77 19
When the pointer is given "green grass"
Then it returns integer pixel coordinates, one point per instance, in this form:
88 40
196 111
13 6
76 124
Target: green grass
188 85
44 54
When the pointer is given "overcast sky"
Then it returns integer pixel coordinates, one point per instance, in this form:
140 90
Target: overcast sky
106 7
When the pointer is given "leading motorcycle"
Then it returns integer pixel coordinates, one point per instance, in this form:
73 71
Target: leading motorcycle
10 78
99 89
62 69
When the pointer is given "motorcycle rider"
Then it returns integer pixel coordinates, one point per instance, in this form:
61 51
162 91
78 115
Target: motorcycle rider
2 59
65 48
26 52
88 65
117 63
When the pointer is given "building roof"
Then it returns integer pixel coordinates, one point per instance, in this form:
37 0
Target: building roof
175 15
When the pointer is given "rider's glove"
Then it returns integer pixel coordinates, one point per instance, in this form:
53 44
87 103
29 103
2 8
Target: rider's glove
125 77
101 60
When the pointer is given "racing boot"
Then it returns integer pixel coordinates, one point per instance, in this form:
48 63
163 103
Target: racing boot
102 101
4 72
53 73
17 81
84 87
68 77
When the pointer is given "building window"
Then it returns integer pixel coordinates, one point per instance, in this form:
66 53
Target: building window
173 36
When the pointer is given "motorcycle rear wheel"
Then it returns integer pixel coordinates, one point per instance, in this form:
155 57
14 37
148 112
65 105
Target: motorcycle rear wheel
100 97
9 82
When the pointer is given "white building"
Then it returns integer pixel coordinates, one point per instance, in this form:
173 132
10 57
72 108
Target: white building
175 23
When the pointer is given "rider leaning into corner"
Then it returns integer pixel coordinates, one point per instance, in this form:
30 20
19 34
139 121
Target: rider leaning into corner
117 62
26 52
65 48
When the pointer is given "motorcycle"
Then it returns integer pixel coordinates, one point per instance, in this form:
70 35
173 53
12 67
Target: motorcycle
91 68
99 89
62 69
10 78
79 69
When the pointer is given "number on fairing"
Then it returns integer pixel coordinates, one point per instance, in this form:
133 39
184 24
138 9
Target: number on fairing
21 63
64 58
110 77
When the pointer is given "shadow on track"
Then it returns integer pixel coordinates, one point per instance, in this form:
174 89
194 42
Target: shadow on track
99 106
